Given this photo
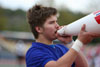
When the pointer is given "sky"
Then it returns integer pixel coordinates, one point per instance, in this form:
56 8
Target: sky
15 4
74 5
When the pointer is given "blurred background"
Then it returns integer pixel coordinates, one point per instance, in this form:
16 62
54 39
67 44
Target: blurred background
15 35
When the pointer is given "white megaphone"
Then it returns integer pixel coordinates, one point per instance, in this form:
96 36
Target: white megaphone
92 22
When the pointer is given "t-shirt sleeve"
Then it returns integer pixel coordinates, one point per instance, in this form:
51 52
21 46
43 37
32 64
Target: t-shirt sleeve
38 58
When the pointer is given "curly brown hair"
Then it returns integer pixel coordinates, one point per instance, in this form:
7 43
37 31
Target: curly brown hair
37 16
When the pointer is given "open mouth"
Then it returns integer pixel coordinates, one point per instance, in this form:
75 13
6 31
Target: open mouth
56 31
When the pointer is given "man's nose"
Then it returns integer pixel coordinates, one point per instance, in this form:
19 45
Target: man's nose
57 26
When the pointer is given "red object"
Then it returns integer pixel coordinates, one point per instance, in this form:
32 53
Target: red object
97 18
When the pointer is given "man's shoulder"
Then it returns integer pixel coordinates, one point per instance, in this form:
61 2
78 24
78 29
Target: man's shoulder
37 48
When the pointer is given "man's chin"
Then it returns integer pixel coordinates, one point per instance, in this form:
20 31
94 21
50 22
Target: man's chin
54 38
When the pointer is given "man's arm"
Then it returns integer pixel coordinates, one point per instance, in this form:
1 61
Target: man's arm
64 61
68 59
81 60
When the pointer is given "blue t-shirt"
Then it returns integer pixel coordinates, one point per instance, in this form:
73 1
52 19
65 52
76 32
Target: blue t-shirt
39 54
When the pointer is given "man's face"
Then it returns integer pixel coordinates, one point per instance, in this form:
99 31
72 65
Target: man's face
50 27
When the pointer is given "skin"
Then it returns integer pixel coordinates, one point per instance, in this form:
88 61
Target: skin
48 33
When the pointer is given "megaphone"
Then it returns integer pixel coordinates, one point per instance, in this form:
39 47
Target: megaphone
92 22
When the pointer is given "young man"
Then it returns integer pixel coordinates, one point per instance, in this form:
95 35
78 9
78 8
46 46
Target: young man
43 53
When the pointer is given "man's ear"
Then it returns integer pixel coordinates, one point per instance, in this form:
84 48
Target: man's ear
38 29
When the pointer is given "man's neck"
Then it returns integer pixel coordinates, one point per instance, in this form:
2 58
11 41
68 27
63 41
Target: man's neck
45 41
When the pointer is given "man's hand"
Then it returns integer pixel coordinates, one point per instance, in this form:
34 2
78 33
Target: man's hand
65 39
86 37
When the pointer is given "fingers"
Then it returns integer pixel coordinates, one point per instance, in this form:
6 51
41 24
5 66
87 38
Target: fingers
95 35
83 27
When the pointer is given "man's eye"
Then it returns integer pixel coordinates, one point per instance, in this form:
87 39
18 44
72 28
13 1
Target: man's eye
51 22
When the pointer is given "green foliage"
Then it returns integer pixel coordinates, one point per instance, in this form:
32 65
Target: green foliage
67 17
13 20
3 22
16 20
